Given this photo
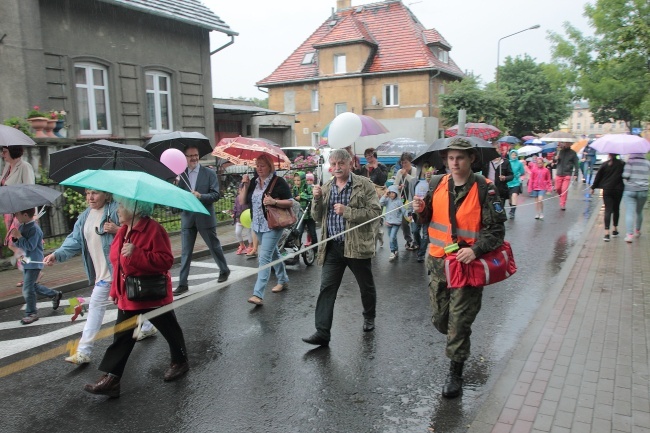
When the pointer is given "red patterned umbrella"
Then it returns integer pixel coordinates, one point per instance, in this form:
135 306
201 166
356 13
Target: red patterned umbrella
481 130
245 150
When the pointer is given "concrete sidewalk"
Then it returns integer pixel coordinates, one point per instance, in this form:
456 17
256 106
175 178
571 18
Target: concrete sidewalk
582 365
70 275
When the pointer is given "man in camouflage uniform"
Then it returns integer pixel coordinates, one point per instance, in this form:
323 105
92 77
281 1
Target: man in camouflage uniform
454 310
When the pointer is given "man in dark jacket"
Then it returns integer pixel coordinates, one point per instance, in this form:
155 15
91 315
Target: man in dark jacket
204 185
499 171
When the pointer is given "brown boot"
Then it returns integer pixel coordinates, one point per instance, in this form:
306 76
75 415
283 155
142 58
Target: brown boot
107 385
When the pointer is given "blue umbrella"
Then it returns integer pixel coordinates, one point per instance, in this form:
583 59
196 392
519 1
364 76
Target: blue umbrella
534 141
550 147
509 139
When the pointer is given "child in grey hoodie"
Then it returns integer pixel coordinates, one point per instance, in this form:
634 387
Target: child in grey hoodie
393 220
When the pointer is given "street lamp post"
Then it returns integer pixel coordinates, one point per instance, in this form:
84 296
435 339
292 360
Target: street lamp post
536 26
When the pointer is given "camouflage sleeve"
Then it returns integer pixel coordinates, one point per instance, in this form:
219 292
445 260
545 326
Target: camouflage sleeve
493 229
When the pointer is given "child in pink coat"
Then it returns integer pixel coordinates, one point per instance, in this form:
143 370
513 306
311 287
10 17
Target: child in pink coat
539 183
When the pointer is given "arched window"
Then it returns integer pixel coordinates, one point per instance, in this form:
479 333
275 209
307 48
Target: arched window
91 83
159 101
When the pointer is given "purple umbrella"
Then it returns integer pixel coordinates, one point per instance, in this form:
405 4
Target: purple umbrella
369 126
621 144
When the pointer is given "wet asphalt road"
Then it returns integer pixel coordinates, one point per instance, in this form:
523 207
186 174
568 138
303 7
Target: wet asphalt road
251 371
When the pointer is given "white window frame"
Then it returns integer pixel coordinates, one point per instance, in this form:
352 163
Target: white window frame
157 96
315 139
89 88
443 55
340 107
308 58
314 100
340 64
391 95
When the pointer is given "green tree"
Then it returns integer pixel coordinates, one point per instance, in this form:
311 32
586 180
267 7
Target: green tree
538 94
612 68
481 105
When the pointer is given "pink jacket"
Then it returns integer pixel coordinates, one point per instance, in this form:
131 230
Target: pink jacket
540 179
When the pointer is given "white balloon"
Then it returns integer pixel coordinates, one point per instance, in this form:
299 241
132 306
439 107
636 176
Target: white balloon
344 130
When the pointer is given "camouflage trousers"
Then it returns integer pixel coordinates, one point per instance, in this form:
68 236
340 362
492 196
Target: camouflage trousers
454 310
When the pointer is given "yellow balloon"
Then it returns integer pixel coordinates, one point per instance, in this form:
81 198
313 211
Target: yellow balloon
245 218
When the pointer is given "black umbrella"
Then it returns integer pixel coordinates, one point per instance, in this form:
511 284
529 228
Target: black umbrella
178 140
105 155
431 155
16 198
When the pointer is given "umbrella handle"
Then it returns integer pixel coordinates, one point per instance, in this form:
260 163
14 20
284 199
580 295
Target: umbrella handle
187 182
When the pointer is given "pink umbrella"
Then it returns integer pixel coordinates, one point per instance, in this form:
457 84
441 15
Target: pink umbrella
621 143
528 137
481 130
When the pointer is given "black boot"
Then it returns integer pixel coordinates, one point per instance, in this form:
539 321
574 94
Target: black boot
454 384
108 385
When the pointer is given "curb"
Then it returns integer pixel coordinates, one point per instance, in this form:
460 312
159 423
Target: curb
81 284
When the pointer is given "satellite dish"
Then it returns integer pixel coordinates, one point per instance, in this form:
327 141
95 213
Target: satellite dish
418 113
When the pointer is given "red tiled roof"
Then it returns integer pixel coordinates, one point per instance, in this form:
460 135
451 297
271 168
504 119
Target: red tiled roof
401 40
431 36
349 30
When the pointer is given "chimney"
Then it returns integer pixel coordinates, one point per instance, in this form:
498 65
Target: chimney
343 4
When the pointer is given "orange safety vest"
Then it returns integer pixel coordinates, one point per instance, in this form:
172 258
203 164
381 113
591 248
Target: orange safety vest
468 218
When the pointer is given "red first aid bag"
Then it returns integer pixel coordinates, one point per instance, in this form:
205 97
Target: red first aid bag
490 268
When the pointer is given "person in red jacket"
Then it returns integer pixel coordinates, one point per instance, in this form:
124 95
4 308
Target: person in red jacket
141 247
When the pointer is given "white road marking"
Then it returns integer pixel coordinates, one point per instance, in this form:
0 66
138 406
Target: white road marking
12 347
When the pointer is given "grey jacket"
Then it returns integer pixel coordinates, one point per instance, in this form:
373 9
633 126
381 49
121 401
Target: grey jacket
207 185
363 206
75 243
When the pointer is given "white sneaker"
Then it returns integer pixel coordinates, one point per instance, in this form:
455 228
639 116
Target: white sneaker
541 216
537 216
78 358
392 257
629 238
146 334
637 234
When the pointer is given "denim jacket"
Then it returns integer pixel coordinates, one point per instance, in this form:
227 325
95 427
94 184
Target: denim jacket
76 243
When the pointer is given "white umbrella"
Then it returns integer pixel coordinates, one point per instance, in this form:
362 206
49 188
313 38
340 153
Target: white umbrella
560 136
14 137
528 150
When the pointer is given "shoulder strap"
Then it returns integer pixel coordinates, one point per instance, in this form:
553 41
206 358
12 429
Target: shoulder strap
271 185
435 181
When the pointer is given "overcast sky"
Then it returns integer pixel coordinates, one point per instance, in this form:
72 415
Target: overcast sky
270 30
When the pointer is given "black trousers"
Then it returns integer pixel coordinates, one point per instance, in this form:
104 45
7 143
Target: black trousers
612 199
331 277
118 353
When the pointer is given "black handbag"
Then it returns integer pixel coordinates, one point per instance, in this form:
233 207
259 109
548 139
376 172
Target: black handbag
146 287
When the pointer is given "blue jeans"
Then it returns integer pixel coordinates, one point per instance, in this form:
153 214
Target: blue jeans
268 252
392 236
421 238
634 202
31 288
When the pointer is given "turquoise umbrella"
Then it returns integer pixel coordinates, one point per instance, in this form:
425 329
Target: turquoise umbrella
137 185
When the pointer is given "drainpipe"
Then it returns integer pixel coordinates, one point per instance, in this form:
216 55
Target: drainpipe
232 41
433 77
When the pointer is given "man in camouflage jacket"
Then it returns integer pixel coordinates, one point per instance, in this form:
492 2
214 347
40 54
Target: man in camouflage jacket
454 310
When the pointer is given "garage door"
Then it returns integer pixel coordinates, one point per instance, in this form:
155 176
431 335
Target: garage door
276 134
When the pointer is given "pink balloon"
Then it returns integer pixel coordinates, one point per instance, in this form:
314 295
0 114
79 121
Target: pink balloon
174 159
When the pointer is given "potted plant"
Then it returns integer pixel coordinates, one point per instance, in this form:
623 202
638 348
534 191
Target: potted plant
19 123
37 120
60 120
